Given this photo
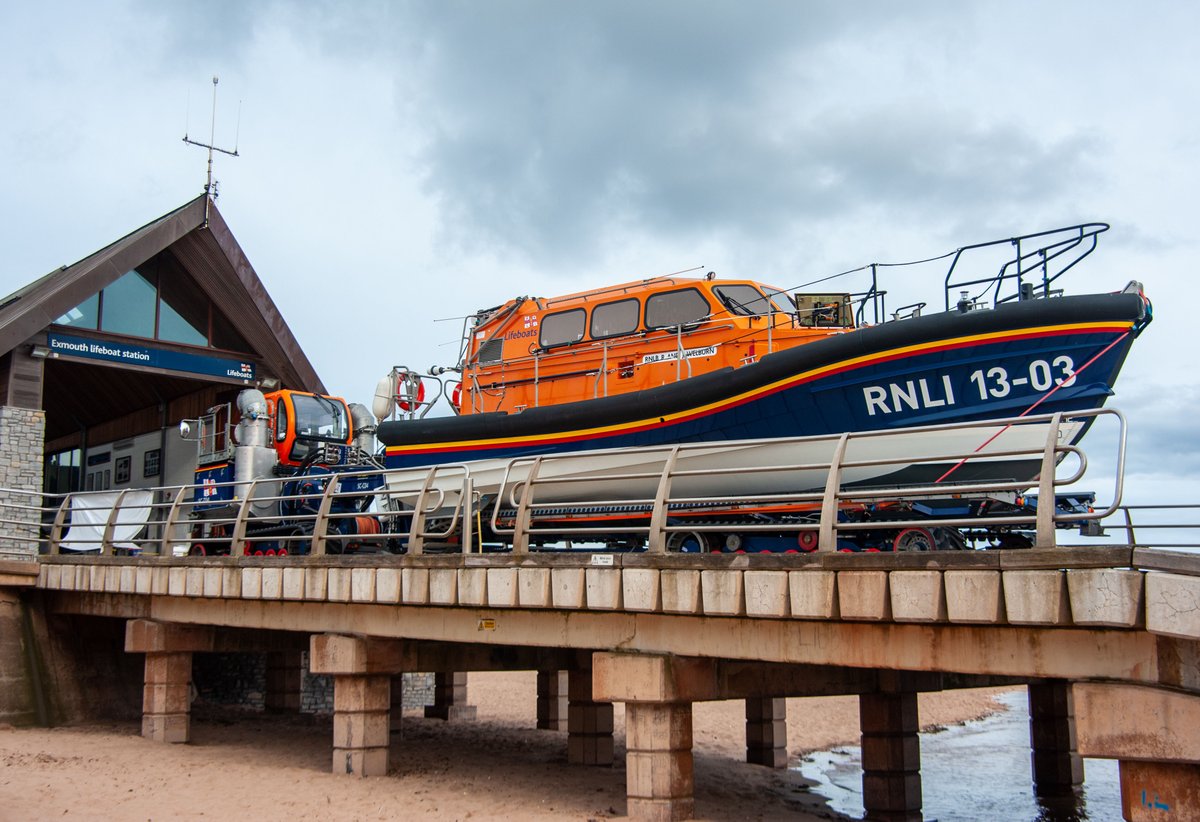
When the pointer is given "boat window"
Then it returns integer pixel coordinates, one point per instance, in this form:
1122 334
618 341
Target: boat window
674 308
563 328
320 417
614 319
743 300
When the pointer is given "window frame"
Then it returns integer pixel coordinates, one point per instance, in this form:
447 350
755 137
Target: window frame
637 319
583 328
686 324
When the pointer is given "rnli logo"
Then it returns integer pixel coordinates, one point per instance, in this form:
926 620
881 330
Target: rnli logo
531 321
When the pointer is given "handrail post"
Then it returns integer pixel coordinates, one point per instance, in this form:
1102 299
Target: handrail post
106 546
56 529
321 523
416 530
238 535
657 537
1046 501
1129 527
827 532
524 518
468 515
170 521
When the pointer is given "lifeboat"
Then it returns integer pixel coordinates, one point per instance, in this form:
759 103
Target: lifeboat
675 360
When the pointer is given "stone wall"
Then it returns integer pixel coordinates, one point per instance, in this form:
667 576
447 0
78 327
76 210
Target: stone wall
241 680
22 439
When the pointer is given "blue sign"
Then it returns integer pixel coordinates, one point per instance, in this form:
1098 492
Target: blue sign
67 345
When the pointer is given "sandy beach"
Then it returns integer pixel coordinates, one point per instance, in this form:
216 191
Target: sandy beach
271 767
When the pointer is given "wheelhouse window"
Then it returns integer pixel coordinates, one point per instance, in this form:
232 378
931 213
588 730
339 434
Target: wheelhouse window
563 328
675 308
615 319
743 300
320 418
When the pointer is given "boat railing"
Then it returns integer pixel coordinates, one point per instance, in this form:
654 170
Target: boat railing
1038 260
540 521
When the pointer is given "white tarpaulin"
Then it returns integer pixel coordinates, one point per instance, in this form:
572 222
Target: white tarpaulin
89 518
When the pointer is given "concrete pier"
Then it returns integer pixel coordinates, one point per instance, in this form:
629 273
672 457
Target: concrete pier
589 723
166 693
891 756
766 731
552 700
450 698
1057 765
362 670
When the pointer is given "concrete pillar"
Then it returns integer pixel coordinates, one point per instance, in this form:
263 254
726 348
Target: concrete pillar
658 692
362 670
397 704
285 672
766 731
659 780
167 687
167 697
891 756
1057 765
1153 791
450 698
589 723
552 700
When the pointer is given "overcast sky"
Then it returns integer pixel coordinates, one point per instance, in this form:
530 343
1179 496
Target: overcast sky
402 163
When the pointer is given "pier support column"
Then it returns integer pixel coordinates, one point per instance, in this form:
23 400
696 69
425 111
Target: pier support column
450 698
891 756
1152 732
552 700
167 687
658 692
396 701
285 671
1057 765
589 723
766 731
362 670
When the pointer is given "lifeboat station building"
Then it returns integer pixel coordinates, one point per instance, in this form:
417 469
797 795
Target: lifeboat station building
101 360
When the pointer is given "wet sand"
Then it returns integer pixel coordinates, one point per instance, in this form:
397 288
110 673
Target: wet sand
245 765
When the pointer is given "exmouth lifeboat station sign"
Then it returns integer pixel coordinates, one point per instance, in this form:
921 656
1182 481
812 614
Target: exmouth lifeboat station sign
71 346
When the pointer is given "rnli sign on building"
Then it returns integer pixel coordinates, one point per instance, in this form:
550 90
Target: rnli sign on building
67 345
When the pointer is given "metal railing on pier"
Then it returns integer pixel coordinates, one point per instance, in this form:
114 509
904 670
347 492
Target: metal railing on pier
641 498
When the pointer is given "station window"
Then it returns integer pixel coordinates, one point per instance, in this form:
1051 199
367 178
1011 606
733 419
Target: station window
743 300
158 300
675 308
615 319
62 471
563 328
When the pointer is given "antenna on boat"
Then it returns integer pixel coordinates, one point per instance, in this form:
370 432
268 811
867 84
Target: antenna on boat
210 185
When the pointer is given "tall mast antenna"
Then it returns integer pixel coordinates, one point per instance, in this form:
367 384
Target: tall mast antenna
210 186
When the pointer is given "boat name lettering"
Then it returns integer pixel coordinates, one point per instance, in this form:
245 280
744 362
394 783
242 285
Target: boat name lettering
912 394
1041 376
517 335
996 382
667 356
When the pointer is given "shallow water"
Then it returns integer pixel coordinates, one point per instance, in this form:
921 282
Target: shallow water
976 771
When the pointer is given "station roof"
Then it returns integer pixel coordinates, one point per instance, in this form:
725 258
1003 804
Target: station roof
199 239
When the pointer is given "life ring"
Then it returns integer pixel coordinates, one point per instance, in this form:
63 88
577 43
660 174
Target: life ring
402 401
456 395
